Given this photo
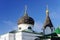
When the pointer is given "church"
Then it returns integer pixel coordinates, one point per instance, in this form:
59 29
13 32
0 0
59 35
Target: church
25 32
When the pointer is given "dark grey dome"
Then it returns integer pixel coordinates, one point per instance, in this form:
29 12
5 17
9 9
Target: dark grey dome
26 20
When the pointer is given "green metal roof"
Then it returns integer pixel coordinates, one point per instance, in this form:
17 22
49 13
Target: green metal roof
57 30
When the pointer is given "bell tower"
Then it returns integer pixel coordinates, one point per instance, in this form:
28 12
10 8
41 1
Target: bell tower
47 22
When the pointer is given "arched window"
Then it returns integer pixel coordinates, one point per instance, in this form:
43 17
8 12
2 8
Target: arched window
20 28
29 28
47 30
37 39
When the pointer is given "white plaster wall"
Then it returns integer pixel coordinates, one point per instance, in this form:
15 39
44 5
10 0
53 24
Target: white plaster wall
47 30
5 37
58 35
29 36
18 36
11 36
24 26
46 39
8 36
26 36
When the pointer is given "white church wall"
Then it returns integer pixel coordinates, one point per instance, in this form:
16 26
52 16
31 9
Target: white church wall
8 36
18 36
46 39
58 35
47 30
29 36
24 26
11 36
5 37
25 36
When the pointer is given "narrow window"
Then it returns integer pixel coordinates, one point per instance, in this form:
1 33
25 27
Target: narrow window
29 28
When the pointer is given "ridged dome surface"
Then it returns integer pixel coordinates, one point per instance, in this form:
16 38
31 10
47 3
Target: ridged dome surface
26 20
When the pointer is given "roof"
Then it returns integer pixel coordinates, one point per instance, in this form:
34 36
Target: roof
26 20
48 36
48 22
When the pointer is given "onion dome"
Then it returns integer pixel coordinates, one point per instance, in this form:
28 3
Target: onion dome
26 19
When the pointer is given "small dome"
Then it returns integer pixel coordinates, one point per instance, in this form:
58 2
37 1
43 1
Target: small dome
26 20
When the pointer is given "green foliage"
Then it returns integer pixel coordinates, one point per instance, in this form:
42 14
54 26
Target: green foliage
57 30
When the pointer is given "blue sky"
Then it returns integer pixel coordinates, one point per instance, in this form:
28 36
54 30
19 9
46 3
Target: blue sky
12 10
